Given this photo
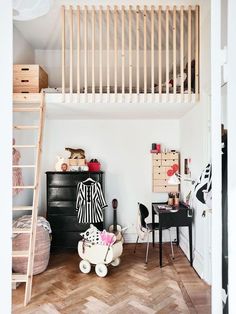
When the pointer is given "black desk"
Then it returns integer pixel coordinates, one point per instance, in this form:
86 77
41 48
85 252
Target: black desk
181 218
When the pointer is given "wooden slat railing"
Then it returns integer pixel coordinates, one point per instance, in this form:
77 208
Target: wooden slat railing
116 41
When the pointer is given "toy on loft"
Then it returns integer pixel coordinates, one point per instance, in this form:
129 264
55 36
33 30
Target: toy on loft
192 76
99 248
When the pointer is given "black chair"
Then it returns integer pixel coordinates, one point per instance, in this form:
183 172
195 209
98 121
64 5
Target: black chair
147 228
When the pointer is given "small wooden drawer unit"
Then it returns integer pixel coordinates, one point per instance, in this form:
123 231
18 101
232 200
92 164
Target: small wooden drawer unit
161 163
29 78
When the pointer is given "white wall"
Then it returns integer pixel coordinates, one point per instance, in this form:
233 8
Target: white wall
23 52
195 144
6 153
196 147
123 147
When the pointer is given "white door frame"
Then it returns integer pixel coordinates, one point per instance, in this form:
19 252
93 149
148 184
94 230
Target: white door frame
216 156
231 118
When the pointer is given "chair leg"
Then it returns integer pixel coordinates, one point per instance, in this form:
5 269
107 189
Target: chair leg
171 244
147 247
136 244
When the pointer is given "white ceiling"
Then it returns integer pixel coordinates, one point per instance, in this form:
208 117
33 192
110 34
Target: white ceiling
45 32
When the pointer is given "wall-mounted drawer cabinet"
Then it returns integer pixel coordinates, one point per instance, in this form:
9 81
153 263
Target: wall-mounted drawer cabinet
161 163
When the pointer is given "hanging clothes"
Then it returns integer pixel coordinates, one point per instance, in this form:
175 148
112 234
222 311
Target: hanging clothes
17 179
90 202
203 186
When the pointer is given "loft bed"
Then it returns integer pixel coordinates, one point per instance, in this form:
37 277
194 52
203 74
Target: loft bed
135 53
111 54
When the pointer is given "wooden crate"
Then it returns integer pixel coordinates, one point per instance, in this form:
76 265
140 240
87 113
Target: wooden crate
29 78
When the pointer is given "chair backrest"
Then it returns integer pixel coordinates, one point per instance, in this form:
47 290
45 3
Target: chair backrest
143 214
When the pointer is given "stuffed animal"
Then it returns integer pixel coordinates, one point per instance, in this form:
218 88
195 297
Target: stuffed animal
60 161
92 235
76 153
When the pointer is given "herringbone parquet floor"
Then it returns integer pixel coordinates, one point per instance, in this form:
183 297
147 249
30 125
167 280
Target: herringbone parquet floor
131 287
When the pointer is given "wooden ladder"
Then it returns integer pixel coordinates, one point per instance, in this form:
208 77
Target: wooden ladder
26 103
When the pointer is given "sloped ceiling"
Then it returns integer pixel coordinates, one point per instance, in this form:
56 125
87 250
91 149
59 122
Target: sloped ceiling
45 32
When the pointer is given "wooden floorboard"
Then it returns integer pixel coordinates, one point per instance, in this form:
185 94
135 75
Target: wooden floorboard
132 287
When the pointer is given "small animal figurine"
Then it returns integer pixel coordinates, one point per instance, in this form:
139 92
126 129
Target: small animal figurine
60 161
76 153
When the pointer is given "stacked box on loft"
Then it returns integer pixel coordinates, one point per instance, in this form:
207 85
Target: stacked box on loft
29 78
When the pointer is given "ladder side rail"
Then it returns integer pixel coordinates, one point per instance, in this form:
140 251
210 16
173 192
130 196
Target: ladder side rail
35 205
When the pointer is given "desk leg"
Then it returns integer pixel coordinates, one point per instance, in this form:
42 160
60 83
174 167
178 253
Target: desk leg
190 245
153 232
177 236
160 245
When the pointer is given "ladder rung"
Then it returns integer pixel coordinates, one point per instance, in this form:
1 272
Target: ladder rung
20 253
23 166
24 187
25 127
23 208
24 146
19 278
26 109
21 230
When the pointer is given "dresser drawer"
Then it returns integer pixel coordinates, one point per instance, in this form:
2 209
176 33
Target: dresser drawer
160 169
169 162
65 239
61 194
160 182
160 175
69 179
173 155
166 188
66 223
58 209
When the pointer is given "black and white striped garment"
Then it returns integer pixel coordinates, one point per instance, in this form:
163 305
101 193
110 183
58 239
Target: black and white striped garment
90 202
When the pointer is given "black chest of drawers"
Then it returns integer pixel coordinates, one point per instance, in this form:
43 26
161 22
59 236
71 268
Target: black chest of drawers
61 212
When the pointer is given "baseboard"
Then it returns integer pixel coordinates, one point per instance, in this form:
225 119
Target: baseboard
198 264
132 237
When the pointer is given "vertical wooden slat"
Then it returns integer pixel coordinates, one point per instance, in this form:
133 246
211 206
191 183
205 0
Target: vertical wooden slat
71 49
182 50
85 50
130 51
137 49
152 51
174 50
196 51
100 51
123 50
159 50
145 49
115 50
189 50
108 50
167 50
63 51
78 50
93 52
